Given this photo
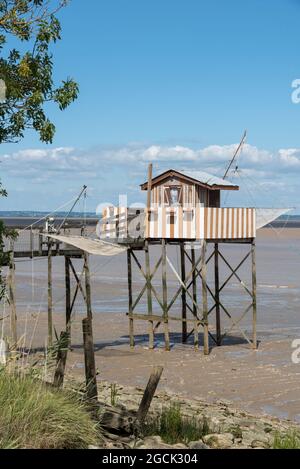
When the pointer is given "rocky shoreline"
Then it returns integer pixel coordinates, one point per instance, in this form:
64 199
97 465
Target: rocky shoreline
229 427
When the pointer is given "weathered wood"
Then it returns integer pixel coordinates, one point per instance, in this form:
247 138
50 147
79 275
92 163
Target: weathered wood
149 295
204 299
61 360
149 393
194 283
130 301
88 298
165 294
68 296
183 294
50 319
89 359
11 295
253 249
217 297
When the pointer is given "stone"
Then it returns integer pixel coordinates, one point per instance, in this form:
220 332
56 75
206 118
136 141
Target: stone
219 440
197 445
260 444
155 442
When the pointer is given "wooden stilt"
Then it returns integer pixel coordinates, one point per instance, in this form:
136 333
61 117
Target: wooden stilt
89 359
50 320
204 298
11 295
149 295
68 296
254 305
165 294
183 294
87 285
217 296
61 360
194 284
130 302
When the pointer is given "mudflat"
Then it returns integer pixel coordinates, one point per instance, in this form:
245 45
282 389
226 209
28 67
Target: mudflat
264 381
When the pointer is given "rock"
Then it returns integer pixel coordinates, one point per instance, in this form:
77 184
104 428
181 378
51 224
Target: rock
198 445
221 441
260 444
155 442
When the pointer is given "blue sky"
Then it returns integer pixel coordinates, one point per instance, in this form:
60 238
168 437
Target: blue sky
174 82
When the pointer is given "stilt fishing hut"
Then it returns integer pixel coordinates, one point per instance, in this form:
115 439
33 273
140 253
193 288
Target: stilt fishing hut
184 209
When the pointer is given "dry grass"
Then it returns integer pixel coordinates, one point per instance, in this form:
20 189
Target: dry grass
35 416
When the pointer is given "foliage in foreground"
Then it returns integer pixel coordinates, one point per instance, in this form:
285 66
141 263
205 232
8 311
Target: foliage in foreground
174 428
290 440
35 416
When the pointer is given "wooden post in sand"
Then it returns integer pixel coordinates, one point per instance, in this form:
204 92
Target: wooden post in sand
149 296
89 359
217 296
194 283
165 294
204 298
61 360
68 296
149 393
254 307
11 295
183 294
130 302
50 321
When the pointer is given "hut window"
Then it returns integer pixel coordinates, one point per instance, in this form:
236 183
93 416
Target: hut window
173 195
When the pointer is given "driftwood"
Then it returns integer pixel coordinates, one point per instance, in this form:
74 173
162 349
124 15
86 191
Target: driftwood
119 422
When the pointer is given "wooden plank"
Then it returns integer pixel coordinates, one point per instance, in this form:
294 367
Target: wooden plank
88 297
89 359
149 393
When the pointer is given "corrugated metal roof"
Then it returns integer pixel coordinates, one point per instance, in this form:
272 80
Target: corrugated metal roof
207 178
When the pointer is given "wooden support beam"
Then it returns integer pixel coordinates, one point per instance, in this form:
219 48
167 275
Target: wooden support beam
194 283
183 294
165 294
68 296
11 295
50 319
204 299
61 360
149 295
217 297
89 359
254 339
87 275
130 301
149 393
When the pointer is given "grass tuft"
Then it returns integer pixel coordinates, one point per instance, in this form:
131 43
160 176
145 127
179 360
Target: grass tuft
174 428
33 415
290 440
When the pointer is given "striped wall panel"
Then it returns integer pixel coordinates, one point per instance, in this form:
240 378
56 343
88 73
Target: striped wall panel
201 223
116 226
